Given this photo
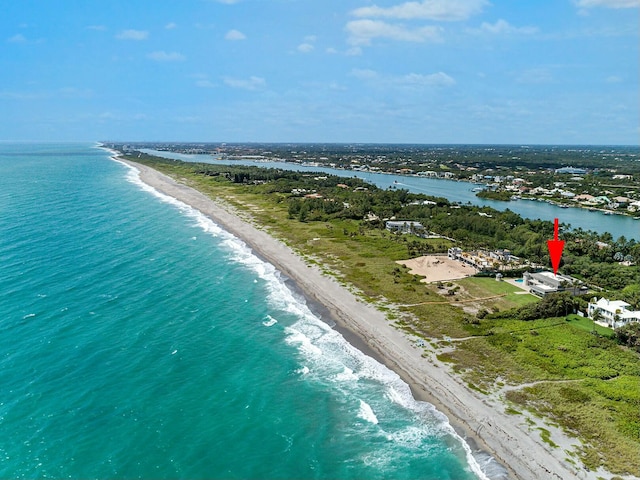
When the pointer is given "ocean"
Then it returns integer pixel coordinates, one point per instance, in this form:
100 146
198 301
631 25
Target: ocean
140 340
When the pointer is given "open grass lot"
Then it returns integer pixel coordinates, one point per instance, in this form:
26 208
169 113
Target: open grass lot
591 386
482 287
586 324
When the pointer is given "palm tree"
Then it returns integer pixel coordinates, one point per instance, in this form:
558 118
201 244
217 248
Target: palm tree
596 317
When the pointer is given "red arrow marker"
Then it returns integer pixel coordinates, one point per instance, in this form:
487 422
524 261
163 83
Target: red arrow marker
555 248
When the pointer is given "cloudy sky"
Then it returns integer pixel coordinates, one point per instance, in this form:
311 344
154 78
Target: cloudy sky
424 71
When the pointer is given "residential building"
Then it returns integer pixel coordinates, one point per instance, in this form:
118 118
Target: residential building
484 260
571 170
634 206
404 226
612 313
543 283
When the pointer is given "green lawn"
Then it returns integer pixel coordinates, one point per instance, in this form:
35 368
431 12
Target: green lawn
584 323
482 287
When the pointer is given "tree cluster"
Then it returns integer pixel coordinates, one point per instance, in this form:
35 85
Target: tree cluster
551 305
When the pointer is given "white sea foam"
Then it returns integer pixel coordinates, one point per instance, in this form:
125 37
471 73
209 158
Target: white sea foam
330 356
366 413
270 322
303 342
202 221
411 436
346 375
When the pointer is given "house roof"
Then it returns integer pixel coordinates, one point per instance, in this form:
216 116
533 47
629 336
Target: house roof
611 305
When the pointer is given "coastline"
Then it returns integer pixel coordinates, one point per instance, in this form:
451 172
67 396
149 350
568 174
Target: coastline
478 419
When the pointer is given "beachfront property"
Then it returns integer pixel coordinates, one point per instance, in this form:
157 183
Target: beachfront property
543 283
612 313
571 170
404 226
634 206
485 260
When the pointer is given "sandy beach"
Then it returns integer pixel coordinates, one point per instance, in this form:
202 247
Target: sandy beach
479 418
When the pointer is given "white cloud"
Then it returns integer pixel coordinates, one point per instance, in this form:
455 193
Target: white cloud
608 3
535 76
132 35
162 56
170 26
188 119
613 79
361 32
364 73
97 28
439 79
252 83
449 10
235 35
204 83
202 80
18 38
73 92
502 27
9 95
305 48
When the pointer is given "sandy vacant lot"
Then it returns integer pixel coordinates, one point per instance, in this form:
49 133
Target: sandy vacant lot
437 268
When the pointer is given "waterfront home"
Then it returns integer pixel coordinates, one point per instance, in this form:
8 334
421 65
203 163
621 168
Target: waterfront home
584 197
543 283
404 226
621 201
634 206
612 313
572 170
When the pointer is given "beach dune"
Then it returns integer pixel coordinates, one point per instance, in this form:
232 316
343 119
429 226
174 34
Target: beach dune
480 419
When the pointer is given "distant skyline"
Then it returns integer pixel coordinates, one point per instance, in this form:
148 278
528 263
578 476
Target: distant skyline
339 71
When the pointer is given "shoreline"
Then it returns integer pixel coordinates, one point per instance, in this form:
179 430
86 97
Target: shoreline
478 419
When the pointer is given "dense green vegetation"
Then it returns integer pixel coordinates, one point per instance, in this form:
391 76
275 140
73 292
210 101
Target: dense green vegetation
549 306
495 195
587 378
592 257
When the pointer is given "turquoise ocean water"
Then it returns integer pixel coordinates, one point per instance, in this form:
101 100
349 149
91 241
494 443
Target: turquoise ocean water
139 340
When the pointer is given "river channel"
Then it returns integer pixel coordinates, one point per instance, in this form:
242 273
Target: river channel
453 191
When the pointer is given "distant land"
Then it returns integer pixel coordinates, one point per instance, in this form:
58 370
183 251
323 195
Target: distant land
603 177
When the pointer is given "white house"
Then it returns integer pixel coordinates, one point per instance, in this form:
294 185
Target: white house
634 206
404 226
614 313
543 283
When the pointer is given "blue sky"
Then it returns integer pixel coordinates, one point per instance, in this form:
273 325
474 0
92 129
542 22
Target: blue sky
425 71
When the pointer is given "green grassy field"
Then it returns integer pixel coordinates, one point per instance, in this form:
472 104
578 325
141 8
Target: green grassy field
591 384
482 287
586 324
